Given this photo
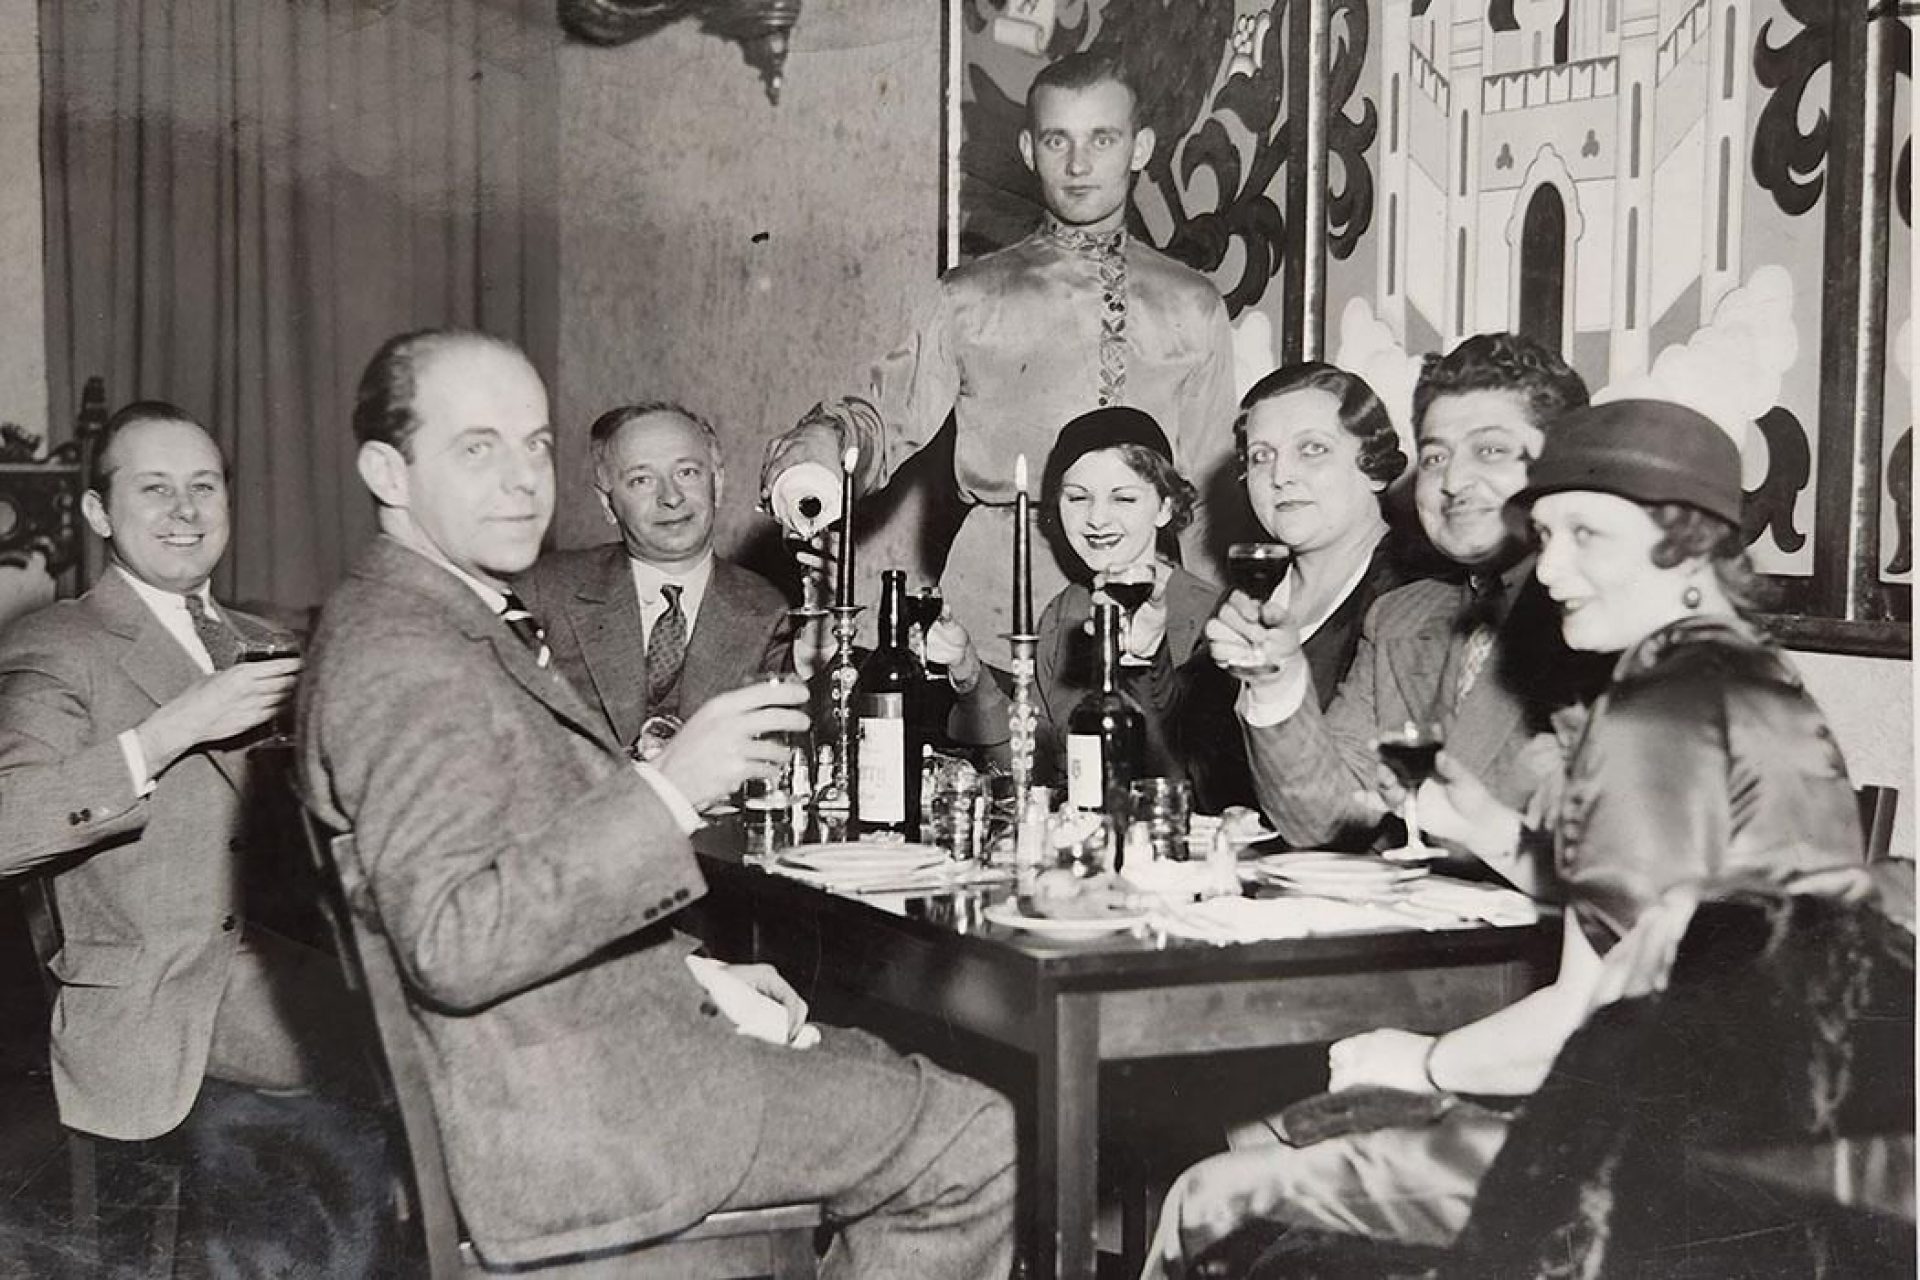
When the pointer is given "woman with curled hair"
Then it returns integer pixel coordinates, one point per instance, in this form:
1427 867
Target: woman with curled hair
1317 452
1704 756
1113 504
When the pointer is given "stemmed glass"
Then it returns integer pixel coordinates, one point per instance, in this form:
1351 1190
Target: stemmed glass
269 646
1256 568
1411 751
923 608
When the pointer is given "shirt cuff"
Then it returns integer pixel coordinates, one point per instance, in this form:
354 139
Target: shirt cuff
685 816
1270 702
136 758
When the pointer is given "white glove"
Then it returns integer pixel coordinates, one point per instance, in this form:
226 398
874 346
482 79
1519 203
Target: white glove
791 490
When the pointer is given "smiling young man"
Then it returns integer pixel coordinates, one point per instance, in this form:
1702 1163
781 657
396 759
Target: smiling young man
656 624
1481 655
127 783
1077 316
592 1090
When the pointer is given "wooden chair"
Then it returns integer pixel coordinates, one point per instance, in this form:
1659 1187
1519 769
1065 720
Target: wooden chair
84 1151
775 1242
1878 808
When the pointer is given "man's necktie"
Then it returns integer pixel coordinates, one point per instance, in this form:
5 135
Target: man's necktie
666 655
221 641
1482 618
527 628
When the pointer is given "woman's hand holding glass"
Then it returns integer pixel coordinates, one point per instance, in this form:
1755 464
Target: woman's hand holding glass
948 642
1141 591
1251 639
1457 809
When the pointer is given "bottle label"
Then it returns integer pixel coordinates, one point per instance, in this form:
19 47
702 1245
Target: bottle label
1085 789
883 769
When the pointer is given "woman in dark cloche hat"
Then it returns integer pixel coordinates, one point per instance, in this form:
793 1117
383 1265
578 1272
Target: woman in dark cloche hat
1703 759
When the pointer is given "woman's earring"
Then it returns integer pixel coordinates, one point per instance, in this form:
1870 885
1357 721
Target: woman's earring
1690 598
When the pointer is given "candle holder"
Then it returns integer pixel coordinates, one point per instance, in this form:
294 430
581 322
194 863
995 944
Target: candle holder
1022 719
833 786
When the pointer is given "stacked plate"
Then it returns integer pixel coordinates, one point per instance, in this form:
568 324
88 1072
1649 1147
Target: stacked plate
1337 875
864 867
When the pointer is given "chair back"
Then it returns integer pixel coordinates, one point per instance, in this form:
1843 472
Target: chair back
1878 808
367 961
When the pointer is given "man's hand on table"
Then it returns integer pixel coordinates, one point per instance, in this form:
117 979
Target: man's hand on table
728 741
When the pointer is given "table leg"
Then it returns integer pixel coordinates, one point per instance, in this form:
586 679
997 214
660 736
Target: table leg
1068 1132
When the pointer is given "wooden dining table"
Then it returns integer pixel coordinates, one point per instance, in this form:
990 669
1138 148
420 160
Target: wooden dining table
1066 1008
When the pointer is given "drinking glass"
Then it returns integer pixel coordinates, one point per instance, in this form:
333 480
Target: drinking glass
1162 806
956 818
766 803
923 608
1410 752
1256 568
268 647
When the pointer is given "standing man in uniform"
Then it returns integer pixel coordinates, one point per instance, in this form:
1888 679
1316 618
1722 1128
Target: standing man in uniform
1078 315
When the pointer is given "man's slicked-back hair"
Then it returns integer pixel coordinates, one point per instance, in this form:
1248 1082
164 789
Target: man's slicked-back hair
1501 362
605 427
1095 65
383 409
100 472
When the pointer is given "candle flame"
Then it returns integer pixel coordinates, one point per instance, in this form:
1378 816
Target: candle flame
1020 473
851 458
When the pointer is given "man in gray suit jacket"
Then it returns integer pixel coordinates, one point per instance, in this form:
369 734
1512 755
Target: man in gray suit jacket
1480 655
589 1089
124 720
656 624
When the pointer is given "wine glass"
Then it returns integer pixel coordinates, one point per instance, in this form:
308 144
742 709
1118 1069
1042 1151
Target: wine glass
924 607
1411 751
1256 568
270 646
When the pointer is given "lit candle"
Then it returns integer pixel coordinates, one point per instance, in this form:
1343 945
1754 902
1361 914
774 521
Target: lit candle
848 461
1022 551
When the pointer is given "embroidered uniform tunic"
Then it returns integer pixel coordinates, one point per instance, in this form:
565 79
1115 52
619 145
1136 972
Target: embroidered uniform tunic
1015 345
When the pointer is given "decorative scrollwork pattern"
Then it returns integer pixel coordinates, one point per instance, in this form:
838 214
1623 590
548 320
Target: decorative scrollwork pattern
1350 190
1790 162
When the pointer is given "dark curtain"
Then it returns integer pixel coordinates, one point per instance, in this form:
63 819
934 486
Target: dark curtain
245 197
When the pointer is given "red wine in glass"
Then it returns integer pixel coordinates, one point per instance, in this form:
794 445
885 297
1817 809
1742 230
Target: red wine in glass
1129 595
1257 567
1411 751
924 607
270 648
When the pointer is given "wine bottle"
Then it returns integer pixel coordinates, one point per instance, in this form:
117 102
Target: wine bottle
1107 732
888 723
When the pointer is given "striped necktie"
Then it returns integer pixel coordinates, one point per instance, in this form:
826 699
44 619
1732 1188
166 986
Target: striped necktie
526 628
666 655
220 640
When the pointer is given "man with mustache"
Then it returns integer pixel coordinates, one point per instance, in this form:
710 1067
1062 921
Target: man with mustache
1479 654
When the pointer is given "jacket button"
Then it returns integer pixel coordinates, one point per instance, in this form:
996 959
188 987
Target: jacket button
227 924
680 895
80 817
666 905
709 1008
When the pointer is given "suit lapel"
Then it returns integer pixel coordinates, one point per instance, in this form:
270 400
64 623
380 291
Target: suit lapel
1420 664
155 661
604 613
392 562
724 646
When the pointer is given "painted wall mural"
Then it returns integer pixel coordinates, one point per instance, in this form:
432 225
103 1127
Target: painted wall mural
1645 185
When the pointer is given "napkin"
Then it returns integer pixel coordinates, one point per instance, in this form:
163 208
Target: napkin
1266 919
751 1013
1491 904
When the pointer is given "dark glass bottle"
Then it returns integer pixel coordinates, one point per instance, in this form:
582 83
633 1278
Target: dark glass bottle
888 723
1107 732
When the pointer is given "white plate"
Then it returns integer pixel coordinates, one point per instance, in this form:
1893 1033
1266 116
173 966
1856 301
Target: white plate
1341 871
862 859
1009 915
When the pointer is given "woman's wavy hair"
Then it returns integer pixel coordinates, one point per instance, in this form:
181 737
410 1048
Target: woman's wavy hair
1361 414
